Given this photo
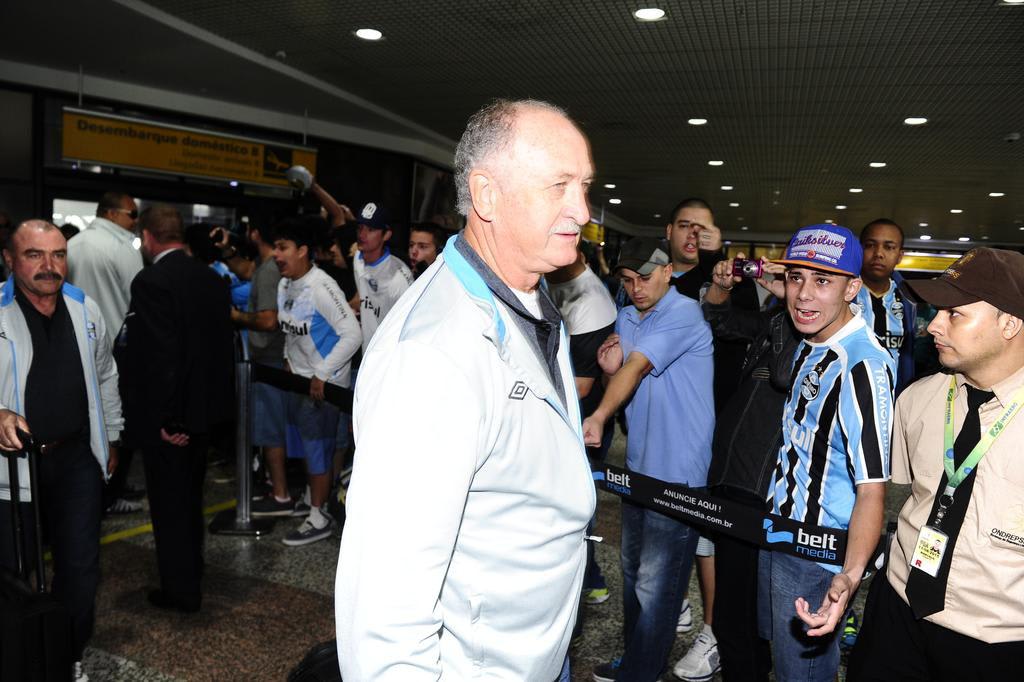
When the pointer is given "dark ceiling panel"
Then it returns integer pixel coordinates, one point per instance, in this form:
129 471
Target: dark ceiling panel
801 94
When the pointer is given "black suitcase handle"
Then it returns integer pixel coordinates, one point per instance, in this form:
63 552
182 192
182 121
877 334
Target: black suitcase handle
30 451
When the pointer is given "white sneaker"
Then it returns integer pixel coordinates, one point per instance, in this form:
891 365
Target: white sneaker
685 623
79 674
701 662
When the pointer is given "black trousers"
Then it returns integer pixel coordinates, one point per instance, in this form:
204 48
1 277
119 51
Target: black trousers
893 646
744 655
174 484
71 492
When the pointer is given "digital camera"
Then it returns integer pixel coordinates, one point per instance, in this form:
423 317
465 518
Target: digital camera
742 267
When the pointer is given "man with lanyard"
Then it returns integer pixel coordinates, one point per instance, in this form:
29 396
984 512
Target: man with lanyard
380 277
660 361
464 545
834 460
951 606
884 302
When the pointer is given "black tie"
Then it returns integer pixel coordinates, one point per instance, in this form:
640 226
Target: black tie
927 595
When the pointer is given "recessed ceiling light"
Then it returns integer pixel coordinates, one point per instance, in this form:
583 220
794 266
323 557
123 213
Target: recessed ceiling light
726 187
997 194
615 201
840 207
915 120
877 164
696 121
233 183
922 224
956 210
609 185
963 239
715 163
734 204
830 221
744 227
369 34
649 14
984 237
926 237
856 190
657 215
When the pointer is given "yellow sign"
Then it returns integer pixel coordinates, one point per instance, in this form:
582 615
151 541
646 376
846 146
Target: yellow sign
593 233
927 262
133 143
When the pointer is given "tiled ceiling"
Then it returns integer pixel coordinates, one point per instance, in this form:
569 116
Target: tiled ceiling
800 95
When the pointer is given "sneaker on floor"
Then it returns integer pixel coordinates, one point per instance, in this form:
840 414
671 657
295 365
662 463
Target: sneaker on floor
607 672
850 630
123 506
307 533
598 595
300 509
701 662
79 674
271 506
685 622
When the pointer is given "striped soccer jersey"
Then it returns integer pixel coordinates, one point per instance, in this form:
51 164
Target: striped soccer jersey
836 427
883 315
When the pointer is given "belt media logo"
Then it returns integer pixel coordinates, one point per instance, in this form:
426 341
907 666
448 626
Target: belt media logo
816 546
519 391
616 482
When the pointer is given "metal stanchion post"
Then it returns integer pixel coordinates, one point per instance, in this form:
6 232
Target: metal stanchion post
239 521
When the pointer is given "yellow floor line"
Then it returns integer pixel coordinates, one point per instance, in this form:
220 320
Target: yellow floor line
148 527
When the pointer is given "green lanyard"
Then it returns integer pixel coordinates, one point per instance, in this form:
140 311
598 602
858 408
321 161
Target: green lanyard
955 478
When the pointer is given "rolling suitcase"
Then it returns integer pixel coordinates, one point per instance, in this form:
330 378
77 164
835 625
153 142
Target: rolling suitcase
35 629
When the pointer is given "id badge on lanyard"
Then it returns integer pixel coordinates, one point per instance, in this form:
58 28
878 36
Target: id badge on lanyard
932 541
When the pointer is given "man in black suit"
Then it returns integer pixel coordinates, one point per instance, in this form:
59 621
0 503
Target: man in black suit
180 359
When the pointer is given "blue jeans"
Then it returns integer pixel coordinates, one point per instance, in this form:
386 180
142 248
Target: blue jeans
782 578
657 551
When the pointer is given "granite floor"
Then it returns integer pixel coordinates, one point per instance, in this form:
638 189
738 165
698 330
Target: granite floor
266 604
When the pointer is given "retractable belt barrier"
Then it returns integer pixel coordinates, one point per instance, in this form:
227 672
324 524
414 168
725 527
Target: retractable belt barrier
293 383
697 507
239 521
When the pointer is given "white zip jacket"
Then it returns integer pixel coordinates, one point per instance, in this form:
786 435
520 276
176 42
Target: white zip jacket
105 421
463 552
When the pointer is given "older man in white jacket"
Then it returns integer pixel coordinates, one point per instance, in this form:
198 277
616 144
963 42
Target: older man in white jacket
463 551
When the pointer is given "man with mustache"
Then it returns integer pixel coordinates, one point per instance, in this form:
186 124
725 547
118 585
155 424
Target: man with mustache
660 361
58 382
464 546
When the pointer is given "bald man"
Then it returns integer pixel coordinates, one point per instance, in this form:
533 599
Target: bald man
58 382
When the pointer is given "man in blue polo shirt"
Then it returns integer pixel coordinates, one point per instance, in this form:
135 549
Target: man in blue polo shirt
660 360
834 459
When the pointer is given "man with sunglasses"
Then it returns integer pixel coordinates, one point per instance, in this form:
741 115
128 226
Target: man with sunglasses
103 259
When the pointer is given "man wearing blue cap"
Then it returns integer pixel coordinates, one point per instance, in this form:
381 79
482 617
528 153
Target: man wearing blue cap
834 459
381 278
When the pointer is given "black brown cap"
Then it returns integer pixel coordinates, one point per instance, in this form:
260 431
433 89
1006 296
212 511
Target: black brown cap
995 276
643 255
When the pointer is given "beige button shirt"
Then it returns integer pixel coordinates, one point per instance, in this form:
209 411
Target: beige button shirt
985 591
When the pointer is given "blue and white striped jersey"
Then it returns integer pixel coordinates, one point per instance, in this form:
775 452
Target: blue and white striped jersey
883 315
836 426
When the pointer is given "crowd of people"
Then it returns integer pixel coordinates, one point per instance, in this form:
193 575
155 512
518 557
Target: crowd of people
794 386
